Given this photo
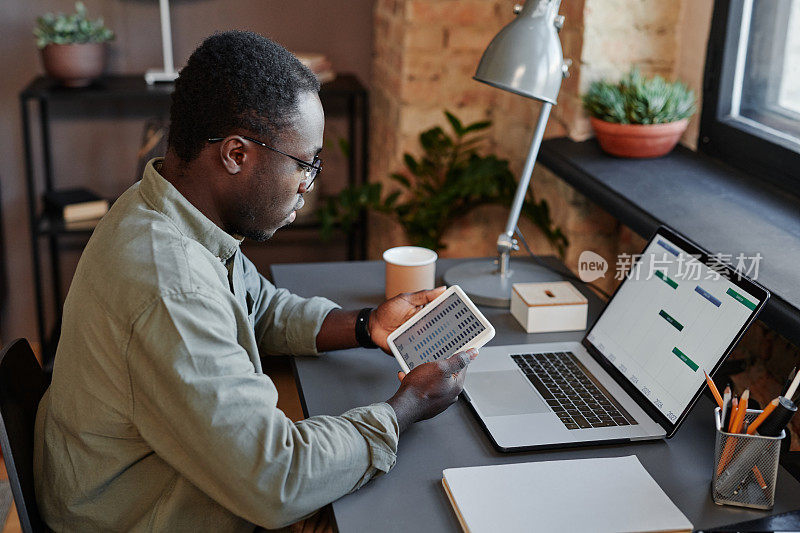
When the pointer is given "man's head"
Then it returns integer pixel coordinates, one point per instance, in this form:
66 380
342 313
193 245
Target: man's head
238 85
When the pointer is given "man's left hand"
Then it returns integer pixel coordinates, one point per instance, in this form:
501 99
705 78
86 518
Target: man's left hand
392 313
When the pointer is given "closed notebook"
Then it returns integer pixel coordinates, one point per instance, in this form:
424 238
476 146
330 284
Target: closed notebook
607 494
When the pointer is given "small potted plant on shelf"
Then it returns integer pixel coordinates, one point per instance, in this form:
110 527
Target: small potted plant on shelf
639 116
73 47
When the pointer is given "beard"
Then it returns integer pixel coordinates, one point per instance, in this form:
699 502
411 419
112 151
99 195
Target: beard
253 217
249 231
246 220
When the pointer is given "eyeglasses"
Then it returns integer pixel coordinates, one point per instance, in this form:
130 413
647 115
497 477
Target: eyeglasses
310 170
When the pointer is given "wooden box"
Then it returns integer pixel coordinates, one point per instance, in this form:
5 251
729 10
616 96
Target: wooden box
548 307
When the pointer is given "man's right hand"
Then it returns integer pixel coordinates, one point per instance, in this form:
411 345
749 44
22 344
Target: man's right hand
430 388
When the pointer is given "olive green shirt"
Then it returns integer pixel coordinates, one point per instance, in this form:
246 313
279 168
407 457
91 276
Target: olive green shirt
159 417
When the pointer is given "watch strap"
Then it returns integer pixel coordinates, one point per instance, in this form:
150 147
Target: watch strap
362 329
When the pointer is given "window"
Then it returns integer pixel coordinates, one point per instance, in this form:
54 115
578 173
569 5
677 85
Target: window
751 111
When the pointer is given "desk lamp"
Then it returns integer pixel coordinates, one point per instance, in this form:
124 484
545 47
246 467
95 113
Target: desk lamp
168 74
525 58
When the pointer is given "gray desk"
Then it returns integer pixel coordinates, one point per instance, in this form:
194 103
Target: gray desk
410 497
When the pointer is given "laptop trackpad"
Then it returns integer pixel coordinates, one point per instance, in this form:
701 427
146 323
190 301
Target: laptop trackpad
503 393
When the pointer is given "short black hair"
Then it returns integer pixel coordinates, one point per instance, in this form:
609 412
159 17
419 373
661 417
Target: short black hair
233 80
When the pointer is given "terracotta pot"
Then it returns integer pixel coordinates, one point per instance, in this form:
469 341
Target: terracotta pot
638 140
74 65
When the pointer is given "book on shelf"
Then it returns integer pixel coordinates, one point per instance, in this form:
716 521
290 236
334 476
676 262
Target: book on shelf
319 64
73 205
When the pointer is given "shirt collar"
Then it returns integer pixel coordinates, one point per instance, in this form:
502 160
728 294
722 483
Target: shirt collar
163 197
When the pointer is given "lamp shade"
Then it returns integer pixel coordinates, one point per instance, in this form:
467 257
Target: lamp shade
525 57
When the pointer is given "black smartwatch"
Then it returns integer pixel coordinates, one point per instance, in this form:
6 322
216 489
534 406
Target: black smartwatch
362 329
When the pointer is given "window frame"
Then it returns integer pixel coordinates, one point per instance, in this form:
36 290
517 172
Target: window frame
734 140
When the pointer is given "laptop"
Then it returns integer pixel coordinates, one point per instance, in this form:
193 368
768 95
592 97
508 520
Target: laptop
638 370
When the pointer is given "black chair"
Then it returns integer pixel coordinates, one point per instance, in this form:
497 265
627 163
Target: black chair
22 384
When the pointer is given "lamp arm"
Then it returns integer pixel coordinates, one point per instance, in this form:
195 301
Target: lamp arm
506 242
166 36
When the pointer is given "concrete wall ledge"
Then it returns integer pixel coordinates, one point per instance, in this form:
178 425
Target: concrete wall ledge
716 206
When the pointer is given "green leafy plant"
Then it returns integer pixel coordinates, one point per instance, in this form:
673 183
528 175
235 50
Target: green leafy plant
70 29
636 99
449 180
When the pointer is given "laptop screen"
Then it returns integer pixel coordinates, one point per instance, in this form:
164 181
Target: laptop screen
672 318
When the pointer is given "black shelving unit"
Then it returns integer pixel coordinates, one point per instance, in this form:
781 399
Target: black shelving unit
345 93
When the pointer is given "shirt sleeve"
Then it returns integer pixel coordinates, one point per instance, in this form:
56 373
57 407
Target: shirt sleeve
284 322
201 406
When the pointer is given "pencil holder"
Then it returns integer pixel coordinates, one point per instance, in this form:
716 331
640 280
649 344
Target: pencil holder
745 466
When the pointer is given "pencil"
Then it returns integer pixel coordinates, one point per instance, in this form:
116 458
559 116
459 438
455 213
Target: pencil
713 388
759 478
793 386
764 414
730 441
736 422
727 452
734 409
742 411
726 406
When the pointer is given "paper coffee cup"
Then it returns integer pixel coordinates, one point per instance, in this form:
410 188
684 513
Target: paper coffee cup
409 269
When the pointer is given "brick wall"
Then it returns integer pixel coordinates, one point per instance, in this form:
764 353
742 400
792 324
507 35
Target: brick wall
426 52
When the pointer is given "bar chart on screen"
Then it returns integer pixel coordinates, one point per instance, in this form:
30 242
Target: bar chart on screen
676 317
443 331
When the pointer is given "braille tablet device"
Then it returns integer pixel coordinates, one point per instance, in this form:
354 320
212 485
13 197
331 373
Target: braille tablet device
451 323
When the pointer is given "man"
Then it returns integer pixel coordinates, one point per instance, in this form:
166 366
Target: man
159 416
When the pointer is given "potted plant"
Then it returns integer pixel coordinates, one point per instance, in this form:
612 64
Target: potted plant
446 182
639 116
73 47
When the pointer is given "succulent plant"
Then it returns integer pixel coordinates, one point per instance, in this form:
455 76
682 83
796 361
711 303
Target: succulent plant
636 99
70 29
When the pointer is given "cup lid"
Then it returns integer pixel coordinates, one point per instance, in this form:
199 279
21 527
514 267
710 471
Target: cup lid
410 256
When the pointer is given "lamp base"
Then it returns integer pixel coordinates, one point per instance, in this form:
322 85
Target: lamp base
485 286
159 76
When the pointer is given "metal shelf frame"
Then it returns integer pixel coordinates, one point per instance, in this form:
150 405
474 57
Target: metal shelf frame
37 101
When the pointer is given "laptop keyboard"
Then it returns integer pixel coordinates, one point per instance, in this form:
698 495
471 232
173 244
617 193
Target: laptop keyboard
570 392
